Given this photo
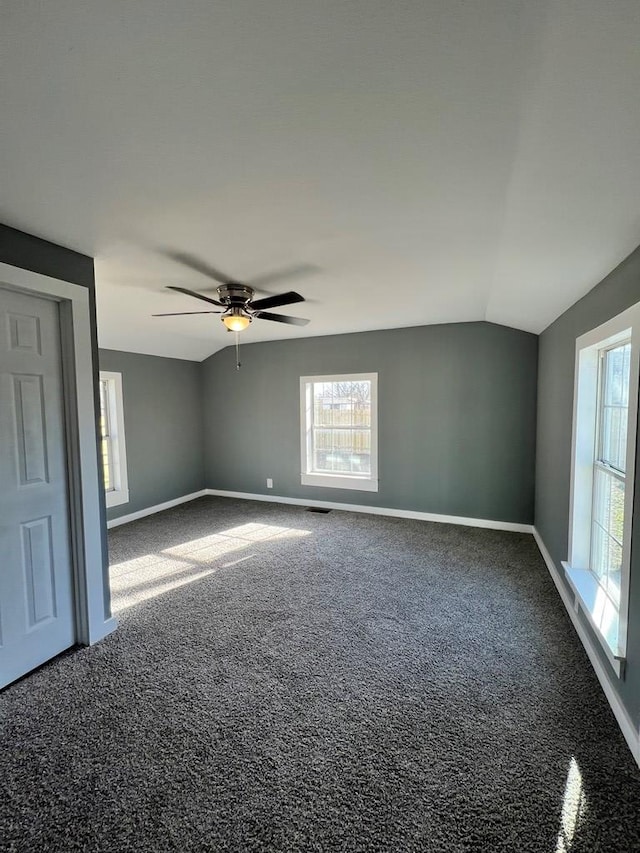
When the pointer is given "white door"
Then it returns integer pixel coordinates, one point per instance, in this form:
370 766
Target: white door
36 577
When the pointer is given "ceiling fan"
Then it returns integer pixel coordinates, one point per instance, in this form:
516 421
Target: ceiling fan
236 299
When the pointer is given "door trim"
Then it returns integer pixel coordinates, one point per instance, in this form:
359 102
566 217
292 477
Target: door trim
91 589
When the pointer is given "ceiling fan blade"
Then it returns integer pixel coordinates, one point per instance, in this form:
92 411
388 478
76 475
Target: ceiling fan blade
276 301
199 266
184 313
197 295
280 318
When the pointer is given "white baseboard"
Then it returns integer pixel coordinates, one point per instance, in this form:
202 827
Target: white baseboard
631 734
372 510
378 510
150 510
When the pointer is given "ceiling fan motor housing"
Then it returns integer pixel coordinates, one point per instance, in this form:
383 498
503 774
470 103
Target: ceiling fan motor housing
235 295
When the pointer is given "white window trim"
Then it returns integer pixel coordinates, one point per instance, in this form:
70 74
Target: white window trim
608 621
338 481
120 493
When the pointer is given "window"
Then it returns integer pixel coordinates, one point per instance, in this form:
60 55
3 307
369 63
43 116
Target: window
339 435
607 522
112 445
604 434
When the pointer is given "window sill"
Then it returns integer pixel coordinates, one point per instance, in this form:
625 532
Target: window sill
117 497
335 481
601 613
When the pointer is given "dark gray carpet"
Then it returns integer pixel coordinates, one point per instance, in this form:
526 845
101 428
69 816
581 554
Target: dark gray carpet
316 682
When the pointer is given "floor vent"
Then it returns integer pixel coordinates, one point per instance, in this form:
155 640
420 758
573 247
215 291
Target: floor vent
317 509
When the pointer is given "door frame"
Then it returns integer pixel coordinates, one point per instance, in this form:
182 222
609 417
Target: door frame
93 619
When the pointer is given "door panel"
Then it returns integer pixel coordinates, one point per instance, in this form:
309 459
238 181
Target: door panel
28 408
37 561
36 578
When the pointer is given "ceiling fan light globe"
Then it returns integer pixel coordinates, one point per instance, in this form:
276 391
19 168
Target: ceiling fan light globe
236 322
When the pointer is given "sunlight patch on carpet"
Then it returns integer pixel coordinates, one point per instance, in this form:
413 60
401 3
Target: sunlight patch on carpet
152 574
574 807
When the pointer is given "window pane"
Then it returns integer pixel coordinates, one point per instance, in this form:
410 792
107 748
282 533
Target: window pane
614 405
322 404
104 413
607 561
362 413
105 439
617 375
342 450
613 444
615 571
342 404
598 551
607 531
322 439
106 467
342 461
608 504
626 372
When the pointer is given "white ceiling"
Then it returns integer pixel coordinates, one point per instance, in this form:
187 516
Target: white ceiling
415 161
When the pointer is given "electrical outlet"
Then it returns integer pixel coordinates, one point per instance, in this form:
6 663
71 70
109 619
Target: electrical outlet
269 483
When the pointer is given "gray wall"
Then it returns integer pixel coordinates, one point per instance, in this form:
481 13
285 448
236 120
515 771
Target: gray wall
162 400
40 256
456 417
32 253
553 469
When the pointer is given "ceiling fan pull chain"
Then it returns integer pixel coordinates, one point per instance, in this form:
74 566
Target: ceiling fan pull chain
237 351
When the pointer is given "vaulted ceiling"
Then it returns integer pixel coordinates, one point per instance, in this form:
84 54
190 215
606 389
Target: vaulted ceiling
398 163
